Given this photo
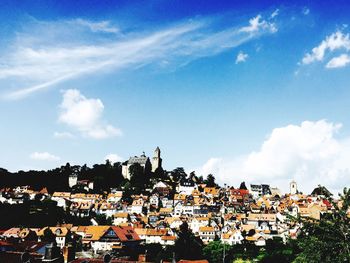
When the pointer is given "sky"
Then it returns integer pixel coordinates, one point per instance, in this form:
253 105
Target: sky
254 91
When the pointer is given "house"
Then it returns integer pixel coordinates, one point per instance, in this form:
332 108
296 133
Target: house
207 234
137 206
105 238
154 200
198 222
186 186
114 197
165 211
12 233
120 218
211 192
259 190
233 237
61 234
173 222
256 218
161 188
27 234
178 207
167 202
258 239
187 209
155 235
168 240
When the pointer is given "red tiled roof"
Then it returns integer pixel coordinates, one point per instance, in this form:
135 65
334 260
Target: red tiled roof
126 233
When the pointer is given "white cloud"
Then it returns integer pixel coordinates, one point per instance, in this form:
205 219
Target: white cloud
44 156
275 13
241 57
306 11
63 135
256 24
102 26
335 41
339 62
85 115
113 158
310 153
54 52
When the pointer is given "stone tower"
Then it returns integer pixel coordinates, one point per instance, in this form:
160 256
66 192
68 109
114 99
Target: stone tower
156 160
293 188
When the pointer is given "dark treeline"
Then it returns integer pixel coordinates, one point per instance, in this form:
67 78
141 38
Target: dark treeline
103 175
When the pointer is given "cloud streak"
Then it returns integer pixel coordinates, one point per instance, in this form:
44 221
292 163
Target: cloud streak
44 63
44 156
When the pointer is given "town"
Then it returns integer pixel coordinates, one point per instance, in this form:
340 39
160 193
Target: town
143 219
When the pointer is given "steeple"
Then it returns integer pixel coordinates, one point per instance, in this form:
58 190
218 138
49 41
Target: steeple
293 188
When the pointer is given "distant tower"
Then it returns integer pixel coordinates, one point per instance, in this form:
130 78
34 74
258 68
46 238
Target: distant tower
156 160
293 187
73 180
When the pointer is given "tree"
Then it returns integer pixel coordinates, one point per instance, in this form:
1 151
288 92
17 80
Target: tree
277 251
210 181
137 177
327 240
243 186
321 190
178 174
187 246
48 236
214 252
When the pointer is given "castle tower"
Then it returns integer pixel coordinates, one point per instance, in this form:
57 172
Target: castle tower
293 188
156 160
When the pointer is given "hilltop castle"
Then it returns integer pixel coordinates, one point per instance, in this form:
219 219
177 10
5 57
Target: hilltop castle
144 162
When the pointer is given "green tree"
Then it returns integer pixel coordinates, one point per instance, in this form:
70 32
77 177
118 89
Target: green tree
210 181
137 177
187 246
277 251
327 240
178 174
243 186
215 252
321 190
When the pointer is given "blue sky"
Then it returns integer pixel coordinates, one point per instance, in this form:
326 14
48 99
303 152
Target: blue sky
255 91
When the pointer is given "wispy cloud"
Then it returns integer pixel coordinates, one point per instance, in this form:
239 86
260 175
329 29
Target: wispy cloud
63 135
102 26
275 13
44 63
306 11
43 156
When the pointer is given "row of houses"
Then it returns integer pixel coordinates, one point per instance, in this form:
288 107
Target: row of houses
212 213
